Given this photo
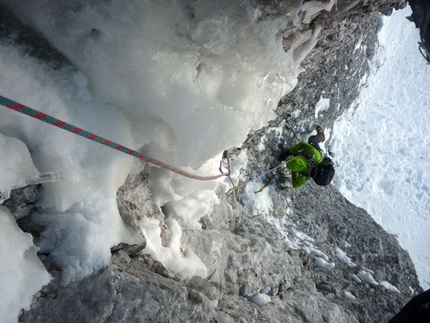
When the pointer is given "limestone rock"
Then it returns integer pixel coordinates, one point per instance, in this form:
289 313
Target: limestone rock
127 291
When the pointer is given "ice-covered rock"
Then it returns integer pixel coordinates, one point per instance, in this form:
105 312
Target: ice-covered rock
242 254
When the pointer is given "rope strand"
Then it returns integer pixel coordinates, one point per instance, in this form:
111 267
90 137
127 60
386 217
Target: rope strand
15 106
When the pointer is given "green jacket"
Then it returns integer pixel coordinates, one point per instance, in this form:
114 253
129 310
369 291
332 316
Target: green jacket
298 163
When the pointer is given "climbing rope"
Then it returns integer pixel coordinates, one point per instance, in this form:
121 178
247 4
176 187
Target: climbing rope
291 128
15 106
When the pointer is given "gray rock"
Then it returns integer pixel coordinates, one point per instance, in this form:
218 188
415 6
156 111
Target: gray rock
126 291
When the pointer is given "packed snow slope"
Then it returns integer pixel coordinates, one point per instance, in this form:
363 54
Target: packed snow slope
382 147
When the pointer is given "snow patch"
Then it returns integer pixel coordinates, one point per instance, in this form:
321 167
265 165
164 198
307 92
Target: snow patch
322 105
302 236
257 203
389 287
341 255
356 279
310 249
321 263
367 277
260 299
348 295
185 263
223 317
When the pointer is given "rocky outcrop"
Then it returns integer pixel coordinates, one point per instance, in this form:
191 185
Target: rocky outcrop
258 271
131 289
421 18
315 258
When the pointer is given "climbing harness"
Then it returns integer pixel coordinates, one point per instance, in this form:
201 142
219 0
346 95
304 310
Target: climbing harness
15 106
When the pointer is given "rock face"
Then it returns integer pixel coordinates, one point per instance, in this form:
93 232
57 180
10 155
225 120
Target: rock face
315 258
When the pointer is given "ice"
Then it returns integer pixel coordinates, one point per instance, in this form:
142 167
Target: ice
267 290
200 73
79 207
22 273
318 253
197 89
312 8
17 168
302 236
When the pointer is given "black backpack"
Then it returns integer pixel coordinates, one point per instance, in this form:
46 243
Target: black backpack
324 172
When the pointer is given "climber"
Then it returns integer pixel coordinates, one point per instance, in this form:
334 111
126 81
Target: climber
305 161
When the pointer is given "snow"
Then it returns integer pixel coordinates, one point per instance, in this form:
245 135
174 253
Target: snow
343 257
348 295
257 203
322 105
321 263
185 264
294 232
389 287
367 277
22 273
223 317
260 299
382 147
355 278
